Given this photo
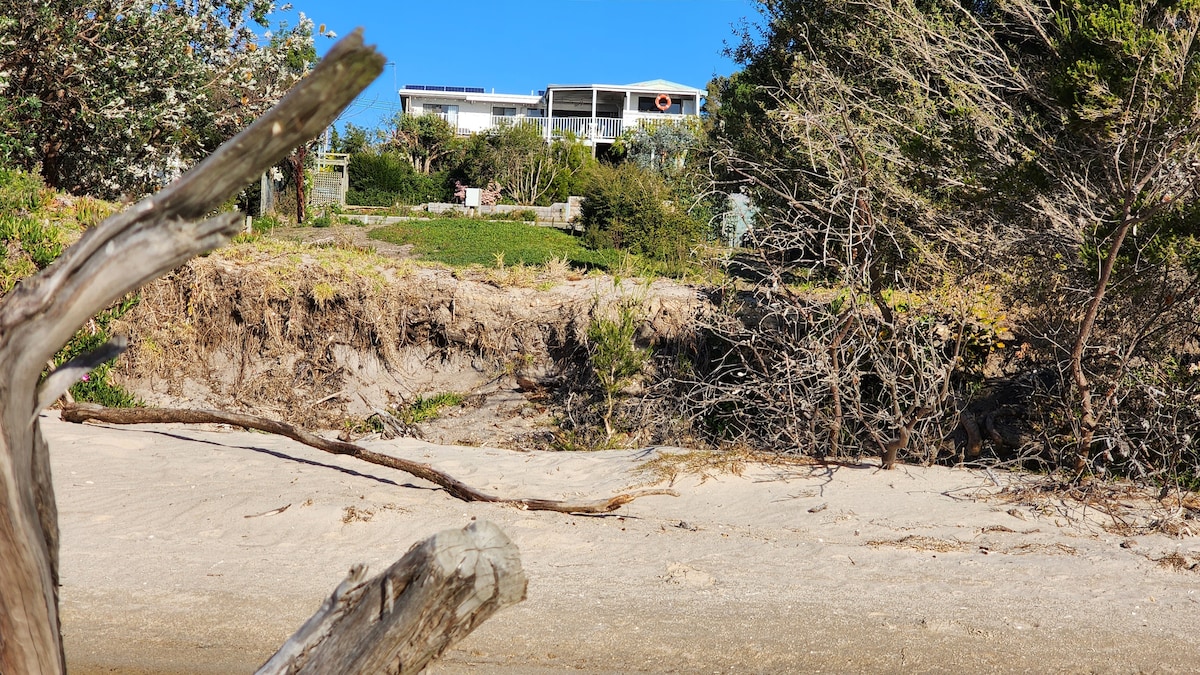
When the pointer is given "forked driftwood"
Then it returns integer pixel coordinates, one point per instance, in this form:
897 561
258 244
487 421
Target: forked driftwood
82 412
125 251
399 621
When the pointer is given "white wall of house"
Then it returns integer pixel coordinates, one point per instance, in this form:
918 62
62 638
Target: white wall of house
468 113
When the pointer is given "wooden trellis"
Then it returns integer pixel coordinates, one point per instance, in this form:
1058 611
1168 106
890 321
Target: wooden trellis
330 179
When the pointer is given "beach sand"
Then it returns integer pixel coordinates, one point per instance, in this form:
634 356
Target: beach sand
177 558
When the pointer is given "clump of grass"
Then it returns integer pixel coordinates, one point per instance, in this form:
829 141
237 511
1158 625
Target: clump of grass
558 269
426 409
21 192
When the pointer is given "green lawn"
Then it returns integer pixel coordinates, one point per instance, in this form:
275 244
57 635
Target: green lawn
461 242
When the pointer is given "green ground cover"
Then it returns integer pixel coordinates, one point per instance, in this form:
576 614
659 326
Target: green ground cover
462 242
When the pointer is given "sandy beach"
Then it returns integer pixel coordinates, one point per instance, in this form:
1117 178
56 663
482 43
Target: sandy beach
191 550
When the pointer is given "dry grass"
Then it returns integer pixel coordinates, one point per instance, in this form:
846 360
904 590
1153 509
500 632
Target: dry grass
1120 508
1179 562
669 466
920 543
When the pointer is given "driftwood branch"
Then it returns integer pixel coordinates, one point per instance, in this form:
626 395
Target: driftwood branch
125 251
82 412
402 619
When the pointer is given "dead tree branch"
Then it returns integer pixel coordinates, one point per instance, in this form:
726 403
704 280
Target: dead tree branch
82 412
125 251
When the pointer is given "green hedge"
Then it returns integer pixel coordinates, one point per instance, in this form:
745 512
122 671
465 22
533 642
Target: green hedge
386 179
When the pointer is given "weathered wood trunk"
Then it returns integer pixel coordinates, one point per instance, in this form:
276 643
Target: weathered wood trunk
37 318
402 619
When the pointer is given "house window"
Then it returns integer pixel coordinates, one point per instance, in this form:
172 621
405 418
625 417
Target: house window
649 104
498 111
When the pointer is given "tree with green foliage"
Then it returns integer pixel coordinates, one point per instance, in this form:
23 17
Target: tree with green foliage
426 140
663 147
117 98
385 178
528 169
895 148
353 139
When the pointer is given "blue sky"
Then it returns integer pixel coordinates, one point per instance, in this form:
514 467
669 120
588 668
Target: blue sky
517 46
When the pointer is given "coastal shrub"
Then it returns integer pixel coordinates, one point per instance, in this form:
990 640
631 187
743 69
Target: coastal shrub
615 358
529 170
630 208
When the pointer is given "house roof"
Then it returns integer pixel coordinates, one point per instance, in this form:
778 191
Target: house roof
662 85
654 86
485 97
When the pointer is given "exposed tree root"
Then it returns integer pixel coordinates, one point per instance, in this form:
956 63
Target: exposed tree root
82 412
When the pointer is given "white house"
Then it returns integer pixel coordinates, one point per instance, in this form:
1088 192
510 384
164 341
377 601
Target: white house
598 113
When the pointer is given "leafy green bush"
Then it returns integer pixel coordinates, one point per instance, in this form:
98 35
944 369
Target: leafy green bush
630 208
265 223
387 178
370 198
530 171
615 359
523 215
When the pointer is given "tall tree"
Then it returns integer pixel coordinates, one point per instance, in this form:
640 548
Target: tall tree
116 97
424 139
895 146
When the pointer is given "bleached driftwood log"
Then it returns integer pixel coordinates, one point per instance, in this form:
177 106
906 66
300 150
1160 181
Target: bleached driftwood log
402 619
125 251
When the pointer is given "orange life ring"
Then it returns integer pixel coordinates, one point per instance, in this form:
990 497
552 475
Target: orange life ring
663 102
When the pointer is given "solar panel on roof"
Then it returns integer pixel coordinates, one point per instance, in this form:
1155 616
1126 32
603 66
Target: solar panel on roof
438 87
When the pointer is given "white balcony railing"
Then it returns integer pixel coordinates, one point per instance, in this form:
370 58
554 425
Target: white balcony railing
596 128
657 119
601 128
588 127
502 121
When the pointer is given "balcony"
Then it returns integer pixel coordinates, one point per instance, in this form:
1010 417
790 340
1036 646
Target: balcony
595 128
600 129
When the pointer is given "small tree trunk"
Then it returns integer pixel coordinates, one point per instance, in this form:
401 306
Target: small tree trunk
297 163
1088 420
